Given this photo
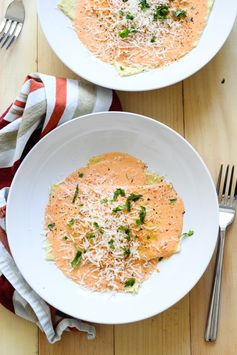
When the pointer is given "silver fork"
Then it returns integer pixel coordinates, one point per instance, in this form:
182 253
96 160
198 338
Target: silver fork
12 24
227 207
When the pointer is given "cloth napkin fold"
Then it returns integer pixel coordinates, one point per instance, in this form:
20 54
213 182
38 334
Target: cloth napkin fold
44 103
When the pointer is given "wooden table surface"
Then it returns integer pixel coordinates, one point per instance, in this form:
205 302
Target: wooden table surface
202 108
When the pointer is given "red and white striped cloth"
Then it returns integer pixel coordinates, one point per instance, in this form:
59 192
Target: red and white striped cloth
43 103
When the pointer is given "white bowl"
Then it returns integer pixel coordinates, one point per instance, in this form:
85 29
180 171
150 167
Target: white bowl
63 40
69 147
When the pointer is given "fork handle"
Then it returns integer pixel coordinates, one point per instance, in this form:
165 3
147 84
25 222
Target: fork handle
213 313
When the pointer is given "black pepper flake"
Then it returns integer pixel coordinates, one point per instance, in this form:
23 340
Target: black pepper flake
223 81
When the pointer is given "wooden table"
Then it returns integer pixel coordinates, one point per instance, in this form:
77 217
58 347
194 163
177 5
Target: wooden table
203 108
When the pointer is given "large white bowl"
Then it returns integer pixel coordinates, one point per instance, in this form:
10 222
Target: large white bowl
63 40
69 147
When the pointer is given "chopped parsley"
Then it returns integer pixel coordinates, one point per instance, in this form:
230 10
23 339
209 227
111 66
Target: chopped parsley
143 5
51 226
126 252
126 230
131 197
142 215
90 236
161 12
99 229
130 282
65 238
128 205
71 222
75 194
111 243
129 16
148 237
104 200
121 13
118 209
180 14
117 193
188 234
77 259
134 197
172 200
80 175
153 39
127 31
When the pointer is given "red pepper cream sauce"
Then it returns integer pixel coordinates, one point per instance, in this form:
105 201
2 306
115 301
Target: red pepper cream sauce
110 222
140 33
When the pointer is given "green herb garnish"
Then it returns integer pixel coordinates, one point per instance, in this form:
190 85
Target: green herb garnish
161 258
111 243
71 222
130 282
117 193
80 175
129 16
126 252
118 208
188 234
126 230
127 31
161 12
51 226
90 236
121 13
65 238
131 197
99 229
153 39
180 14
148 237
104 200
77 259
134 197
142 215
173 200
143 5
124 33
128 205
75 194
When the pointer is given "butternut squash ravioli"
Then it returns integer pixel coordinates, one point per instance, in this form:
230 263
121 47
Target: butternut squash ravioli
138 35
109 223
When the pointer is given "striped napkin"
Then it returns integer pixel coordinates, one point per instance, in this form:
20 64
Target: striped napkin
44 103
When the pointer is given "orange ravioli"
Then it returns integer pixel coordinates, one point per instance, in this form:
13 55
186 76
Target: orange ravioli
143 34
107 225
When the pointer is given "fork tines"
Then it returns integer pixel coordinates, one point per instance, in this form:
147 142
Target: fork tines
224 188
12 24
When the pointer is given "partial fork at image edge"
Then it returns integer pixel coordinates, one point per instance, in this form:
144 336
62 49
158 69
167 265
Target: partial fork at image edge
12 24
227 196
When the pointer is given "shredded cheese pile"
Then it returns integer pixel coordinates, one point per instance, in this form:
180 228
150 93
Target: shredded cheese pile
130 29
91 226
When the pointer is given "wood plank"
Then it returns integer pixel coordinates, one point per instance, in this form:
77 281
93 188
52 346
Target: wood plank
211 126
17 335
75 343
78 344
167 333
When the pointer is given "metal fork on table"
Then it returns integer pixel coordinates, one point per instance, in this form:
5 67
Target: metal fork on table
227 207
12 24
